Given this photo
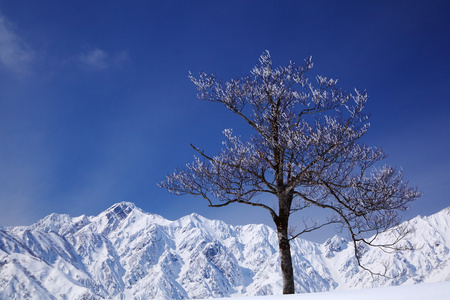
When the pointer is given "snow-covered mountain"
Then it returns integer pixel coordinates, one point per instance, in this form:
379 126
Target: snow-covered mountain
125 253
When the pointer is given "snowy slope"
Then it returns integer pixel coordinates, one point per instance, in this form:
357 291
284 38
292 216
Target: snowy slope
125 253
434 291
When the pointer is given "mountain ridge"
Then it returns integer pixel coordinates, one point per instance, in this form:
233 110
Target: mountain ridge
126 253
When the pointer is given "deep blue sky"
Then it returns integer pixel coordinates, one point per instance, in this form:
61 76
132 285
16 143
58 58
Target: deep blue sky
96 106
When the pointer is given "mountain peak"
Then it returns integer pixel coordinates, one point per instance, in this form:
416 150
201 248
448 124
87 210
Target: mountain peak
333 245
121 209
123 205
445 210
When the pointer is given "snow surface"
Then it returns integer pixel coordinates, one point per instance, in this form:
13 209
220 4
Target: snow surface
432 291
125 253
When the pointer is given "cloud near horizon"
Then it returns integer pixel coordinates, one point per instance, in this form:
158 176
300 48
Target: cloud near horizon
15 54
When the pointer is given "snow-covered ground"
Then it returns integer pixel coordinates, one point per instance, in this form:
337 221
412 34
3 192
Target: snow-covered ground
423 291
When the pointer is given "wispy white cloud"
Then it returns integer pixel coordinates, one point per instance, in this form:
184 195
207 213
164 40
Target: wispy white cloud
98 59
15 54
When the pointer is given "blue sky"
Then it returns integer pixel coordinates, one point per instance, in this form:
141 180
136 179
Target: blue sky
96 106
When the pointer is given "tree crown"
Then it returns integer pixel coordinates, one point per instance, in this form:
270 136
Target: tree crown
306 150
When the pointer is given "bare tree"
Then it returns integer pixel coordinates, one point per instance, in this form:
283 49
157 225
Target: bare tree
306 151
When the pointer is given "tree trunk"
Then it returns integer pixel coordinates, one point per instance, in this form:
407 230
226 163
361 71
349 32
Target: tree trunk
282 223
286 261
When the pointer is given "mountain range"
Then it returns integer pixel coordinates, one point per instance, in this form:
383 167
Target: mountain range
126 253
